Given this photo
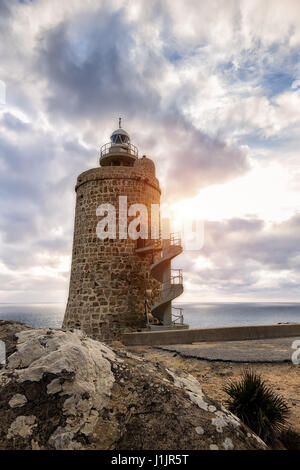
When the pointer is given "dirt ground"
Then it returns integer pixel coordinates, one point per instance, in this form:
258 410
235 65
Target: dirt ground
283 377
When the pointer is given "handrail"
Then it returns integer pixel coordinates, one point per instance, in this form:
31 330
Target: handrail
176 278
179 316
128 148
172 287
175 238
168 292
168 286
144 243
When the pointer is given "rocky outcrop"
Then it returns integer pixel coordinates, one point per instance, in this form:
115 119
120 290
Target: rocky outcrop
63 390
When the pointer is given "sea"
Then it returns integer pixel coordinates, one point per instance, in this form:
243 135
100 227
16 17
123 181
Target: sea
196 315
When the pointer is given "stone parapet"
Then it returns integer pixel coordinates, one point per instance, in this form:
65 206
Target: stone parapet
118 173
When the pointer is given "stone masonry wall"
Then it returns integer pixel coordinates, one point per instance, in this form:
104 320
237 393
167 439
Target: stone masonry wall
108 279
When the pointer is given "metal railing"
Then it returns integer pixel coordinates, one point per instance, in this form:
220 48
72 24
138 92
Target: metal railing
144 243
178 317
175 239
177 277
126 148
169 287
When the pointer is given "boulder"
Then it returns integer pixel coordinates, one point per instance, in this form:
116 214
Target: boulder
63 390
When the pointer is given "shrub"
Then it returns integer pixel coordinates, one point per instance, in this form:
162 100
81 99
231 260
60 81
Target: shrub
290 439
257 405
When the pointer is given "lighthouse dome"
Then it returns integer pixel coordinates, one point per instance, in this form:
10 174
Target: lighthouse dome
120 136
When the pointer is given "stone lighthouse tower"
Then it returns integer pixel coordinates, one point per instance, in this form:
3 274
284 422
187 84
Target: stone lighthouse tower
112 276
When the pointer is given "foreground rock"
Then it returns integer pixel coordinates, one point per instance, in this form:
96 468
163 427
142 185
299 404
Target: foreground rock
63 390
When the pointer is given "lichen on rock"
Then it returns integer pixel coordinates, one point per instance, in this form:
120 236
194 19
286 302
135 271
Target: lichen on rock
64 390
17 401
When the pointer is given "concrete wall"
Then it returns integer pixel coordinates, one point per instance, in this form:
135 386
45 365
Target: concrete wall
231 333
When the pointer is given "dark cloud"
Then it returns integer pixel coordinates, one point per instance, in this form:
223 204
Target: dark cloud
5 10
96 70
238 251
274 246
13 123
33 182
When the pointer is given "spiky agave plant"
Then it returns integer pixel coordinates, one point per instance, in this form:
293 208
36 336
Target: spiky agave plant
290 439
257 405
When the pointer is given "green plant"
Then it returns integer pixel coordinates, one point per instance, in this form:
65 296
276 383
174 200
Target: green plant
257 405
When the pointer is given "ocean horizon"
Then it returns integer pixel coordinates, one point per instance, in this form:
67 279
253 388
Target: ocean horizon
196 314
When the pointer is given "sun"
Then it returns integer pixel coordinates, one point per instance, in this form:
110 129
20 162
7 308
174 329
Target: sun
264 192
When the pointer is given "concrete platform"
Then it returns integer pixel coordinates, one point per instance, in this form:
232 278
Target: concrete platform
253 351
193 335
178 326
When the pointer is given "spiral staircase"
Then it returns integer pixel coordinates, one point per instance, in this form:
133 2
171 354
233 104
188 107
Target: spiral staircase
163 315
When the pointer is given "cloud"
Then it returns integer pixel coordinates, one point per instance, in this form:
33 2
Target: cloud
198 159
202 89
93 66
245 256
13 123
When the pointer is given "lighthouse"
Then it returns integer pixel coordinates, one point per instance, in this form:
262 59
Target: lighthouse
121 278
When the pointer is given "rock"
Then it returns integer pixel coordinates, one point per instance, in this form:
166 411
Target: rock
199 430
17 401
63 390
213 447
225 373
228 444
8 330
22 426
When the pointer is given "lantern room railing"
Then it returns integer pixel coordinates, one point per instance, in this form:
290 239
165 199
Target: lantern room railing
126 148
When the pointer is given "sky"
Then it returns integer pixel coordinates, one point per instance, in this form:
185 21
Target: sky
209 90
